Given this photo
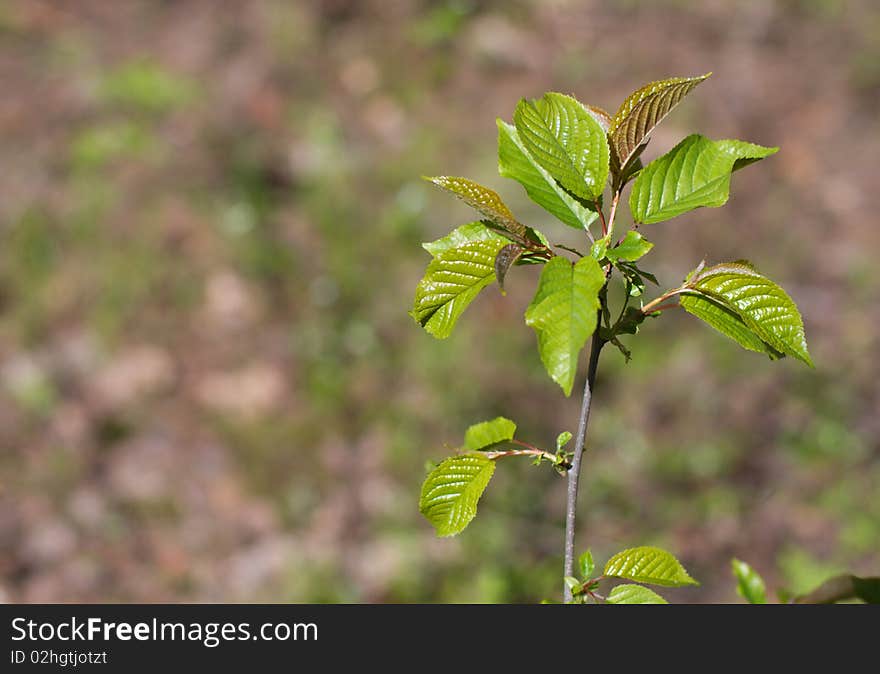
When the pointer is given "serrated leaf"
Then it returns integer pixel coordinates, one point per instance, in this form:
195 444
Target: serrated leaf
488 433
515 162
749 584
504 260
564 139
640 113
650 565
763 307
468 233
727 322
634 594
451 282
486 201
694 173
450 492
564 313
586 564
633 247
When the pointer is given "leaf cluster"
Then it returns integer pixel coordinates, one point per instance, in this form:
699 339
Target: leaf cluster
572 158
644 565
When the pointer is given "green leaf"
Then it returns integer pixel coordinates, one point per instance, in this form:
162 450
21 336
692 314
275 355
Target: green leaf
451 491
634 594
749 584
564 313
694 173
599 248
458 237
727 322
562 440
572 583
586 564
633 247
648 565
640 113
515 162
451 282
485 201
635 277
504 260
563 138
763 307
488 433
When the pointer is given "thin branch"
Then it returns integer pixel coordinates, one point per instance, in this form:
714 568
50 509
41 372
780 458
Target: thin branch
574 473
502 453
613 212
602 219
662 307
653 305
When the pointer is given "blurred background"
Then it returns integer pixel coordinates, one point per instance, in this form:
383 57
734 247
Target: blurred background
210 217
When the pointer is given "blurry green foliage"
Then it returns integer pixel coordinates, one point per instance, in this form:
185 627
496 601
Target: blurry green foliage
95 147
146 86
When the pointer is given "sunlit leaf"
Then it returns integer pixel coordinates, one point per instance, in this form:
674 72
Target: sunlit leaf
727 322
564 314
451 282
634 594
633 247
586 564
472 231
599 248
515 162
648 565
694 173
644 109
763 307
572 583
488 433
563 138
562 440
450 492
749 584
486 201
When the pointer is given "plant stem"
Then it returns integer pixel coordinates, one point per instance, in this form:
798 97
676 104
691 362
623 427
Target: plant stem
653 305
531 451
614 200
574 473
602 219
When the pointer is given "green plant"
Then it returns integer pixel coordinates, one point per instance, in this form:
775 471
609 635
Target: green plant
567 156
